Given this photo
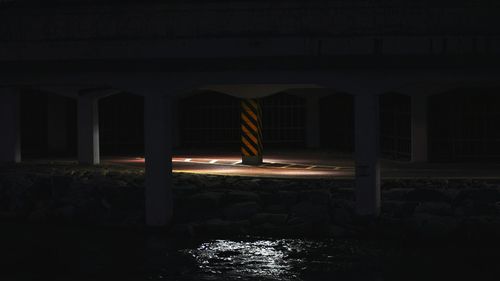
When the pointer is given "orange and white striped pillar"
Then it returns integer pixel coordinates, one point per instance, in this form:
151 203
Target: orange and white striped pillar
251 132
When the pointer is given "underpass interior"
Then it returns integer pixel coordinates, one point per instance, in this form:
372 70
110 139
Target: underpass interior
306 133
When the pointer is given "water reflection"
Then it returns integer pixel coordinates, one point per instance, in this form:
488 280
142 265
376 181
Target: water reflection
263 258
284 259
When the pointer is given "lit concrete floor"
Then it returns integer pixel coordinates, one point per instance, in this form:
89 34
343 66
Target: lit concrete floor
310 164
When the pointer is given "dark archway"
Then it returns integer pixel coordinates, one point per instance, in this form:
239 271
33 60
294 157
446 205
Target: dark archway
121 124
464 125
210 119
337 122
283 120
48 125
395 126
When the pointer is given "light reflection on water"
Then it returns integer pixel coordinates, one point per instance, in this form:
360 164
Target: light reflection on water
265 259
283 259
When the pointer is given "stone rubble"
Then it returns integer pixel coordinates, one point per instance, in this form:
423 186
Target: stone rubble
218 206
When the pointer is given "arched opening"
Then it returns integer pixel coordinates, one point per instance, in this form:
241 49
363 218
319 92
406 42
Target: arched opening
337 122
283 120
121 124
464 125
210 119
48 125
395 126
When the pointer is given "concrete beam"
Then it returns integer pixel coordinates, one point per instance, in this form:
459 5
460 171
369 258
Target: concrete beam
158 154
88 131
10 140
367 155
98 93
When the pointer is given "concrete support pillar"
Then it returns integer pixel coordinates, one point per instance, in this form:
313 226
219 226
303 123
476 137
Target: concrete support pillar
158 153
88 131
251 132
176 134
10 126
367 155
419 144
312 122
57 134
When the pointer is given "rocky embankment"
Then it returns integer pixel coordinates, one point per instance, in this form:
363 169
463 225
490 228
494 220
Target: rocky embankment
217 206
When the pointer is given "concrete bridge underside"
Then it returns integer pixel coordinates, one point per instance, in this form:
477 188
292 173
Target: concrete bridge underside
160 90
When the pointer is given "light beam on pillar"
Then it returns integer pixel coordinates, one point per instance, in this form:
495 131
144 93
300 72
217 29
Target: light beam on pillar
251 132
10 138
88 131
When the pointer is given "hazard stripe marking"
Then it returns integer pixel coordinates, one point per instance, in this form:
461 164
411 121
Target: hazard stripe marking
249 134
249 123
250 112
251 128
249 146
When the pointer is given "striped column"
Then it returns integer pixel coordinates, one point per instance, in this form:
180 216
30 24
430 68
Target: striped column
251 132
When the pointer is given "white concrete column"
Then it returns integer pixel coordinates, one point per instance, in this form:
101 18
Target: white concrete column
312 122
10 126
57 134
419 151
367 155
158 154
88 131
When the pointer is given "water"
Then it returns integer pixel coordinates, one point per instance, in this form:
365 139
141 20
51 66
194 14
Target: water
283 259
40 252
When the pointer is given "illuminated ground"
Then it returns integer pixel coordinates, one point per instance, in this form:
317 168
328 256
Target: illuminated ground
307 164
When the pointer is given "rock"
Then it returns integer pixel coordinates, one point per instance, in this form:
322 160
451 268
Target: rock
242 210
299 226
435 208
432 226
274 219
61 185
320 197
268 198
343 203
268 229
393 184
184 230
105 203
341 216
201 206
288 198
8 216
218 227
486 195
206 200
186 188
338 231
469 207
398 209
66 212
313 212
276 209
240 196
426 195
39 215
395 194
